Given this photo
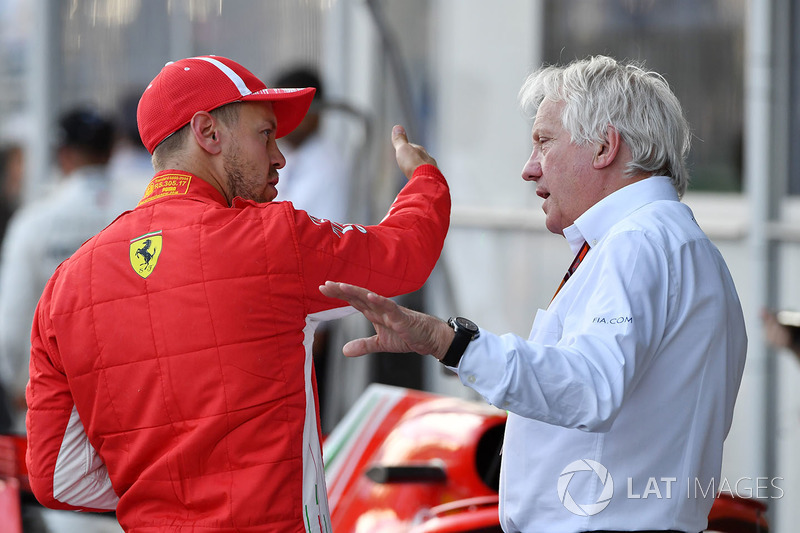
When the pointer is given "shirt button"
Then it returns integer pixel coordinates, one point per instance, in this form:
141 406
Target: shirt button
594 242
471 379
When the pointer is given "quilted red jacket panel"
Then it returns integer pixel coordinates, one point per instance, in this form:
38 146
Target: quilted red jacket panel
190 376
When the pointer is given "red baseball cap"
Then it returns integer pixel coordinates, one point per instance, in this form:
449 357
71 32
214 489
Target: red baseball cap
204 83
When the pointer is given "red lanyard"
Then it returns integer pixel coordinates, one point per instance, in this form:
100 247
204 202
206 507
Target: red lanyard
573 267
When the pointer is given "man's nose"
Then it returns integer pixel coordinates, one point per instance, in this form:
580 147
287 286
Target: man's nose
276 156
532 170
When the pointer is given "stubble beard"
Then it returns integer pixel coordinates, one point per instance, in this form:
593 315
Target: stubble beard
237 183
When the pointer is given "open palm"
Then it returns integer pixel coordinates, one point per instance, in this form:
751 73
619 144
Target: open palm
397 328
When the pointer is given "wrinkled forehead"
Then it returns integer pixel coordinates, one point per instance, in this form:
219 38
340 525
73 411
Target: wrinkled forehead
549 114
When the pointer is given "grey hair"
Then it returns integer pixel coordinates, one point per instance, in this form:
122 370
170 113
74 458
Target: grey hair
598 92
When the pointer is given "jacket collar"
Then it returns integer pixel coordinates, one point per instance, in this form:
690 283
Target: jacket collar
172 184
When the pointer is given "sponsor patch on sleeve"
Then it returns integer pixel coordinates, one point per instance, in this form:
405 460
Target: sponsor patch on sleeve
338 229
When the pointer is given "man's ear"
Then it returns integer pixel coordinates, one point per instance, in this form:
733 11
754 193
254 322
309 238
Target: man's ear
205 129
607 151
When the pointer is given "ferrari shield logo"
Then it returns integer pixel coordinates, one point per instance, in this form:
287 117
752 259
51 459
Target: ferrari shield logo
144 253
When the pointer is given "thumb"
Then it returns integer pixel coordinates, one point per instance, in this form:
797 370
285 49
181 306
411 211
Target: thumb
357 347
399 137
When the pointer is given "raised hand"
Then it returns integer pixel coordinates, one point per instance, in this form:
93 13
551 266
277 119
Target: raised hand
397 328
409 156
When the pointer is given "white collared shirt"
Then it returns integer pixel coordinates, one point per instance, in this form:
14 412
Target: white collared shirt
635 367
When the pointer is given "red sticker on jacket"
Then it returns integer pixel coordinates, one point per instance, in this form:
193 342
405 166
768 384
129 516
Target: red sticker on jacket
166 185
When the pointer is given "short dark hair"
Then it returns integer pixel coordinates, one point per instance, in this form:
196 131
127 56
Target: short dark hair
301 77
86 130
127 124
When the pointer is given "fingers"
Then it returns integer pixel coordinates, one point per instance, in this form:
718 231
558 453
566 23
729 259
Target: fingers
359 347
373 306
342 291
355 296
331 289
352 294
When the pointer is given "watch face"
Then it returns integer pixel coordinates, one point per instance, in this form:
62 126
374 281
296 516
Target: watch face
466 324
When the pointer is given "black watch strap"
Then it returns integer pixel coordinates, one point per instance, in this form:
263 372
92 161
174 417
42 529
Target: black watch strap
466 331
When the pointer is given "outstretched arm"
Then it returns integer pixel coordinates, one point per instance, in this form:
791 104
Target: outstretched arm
393 257
397 328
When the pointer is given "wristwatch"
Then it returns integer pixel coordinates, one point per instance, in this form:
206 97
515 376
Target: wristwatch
466 331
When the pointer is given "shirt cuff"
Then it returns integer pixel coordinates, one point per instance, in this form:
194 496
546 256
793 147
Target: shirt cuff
483 366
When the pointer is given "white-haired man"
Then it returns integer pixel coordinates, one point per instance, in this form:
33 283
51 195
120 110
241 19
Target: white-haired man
630 375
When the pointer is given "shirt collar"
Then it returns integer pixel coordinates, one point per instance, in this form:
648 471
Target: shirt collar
592 225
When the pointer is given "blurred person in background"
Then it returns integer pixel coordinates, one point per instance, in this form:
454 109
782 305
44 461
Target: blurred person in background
13 139
130 166
46 231
14 136
11 165
632 371
316 179
171 370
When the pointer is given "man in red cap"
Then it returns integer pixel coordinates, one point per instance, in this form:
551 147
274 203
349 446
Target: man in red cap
171 370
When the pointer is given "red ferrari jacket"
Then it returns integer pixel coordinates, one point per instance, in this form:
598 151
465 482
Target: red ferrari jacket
171 375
